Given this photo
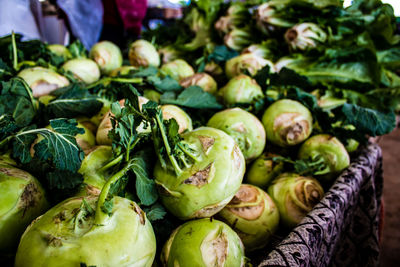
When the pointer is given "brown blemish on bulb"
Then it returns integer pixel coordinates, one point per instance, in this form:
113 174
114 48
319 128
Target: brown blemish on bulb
200 178
30 197
206 142
244 203
139 212
291 35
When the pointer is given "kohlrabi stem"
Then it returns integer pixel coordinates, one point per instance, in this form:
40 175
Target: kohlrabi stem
188 152
15 52
174 163
100 215
111 163
132 146
29 91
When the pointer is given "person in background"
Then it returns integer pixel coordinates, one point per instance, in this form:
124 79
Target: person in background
122 20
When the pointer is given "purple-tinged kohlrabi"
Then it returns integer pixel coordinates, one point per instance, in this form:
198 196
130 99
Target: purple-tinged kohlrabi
295 196
245 128
241 89
287 123
107 55
330 150
304 36
204 242
253 215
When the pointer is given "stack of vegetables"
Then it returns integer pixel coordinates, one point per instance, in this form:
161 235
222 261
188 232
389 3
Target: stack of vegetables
107 161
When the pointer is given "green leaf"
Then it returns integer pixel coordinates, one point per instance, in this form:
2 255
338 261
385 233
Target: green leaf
108 206
145 187
221 54
155 212
8 126
16 99
77 50
149 71
166 84
192 97
369 121
58 145
62 179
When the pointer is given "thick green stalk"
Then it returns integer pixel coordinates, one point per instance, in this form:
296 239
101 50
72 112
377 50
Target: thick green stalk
15 54
174 163
100 215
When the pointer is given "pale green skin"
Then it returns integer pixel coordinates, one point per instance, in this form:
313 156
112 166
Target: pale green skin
203 80
126 238
352 145
331 150
291 209
42 81
178 69
143 53
181 117
247 62
86 140
254 220
84 69
7 160
227 163
152 95
245 128
241 89
60 50
191 245
107 55
21 201
263 170
93 178
287 123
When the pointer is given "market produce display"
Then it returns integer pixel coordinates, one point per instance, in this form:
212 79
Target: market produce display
197 143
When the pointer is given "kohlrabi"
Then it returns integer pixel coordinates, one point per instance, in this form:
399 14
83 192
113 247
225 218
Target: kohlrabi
200 174
264 170
178 69
203 80
253 215
287 122
83 69
245 128
304 36
181 117
247 63
107 55
94 231
143 54
21 201
328 148
60 50
295 196
241 89
43 81
203 242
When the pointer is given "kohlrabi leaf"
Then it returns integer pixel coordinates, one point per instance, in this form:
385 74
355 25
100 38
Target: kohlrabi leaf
145 187
368 121
63 179
57 145
155 212
166 84
16 99
192 97
8 126
149 71
73 103
77 50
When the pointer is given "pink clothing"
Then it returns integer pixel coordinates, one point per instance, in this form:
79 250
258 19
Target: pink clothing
132 13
